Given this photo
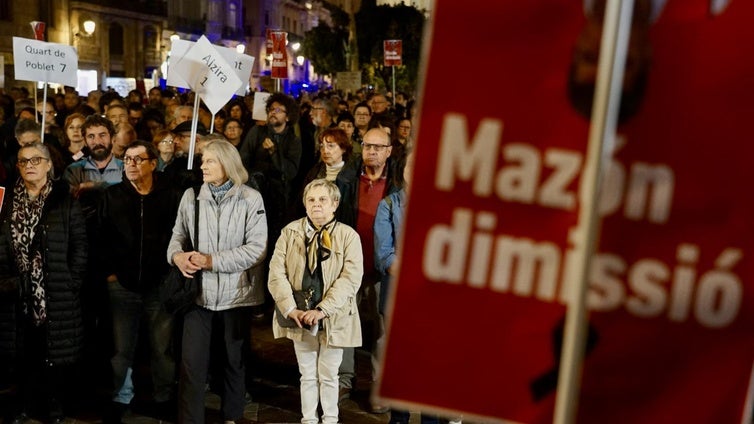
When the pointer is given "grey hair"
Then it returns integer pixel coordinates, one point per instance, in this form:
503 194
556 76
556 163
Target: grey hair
332 189
42 148
229 159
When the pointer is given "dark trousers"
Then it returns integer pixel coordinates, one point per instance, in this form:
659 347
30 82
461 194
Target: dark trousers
42 386
401 417
195 350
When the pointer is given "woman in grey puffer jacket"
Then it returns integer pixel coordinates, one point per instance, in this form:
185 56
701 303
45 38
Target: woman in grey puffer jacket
232 240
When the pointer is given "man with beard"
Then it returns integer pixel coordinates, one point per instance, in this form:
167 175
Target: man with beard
272 155
88 179
100 169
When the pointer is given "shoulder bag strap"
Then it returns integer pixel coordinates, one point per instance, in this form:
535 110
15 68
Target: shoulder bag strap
196 217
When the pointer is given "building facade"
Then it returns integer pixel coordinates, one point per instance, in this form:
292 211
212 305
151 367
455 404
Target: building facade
132 39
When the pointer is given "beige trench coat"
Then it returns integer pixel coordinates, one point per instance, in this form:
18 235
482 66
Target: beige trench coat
341 273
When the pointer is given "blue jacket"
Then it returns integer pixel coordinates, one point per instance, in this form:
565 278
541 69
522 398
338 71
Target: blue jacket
388 227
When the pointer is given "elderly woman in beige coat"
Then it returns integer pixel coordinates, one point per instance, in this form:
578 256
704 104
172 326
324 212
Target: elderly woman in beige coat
315 273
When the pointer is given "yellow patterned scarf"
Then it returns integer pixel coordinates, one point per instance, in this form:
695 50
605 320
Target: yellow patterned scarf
319 245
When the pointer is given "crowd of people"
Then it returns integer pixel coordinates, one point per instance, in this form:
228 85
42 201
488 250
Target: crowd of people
274 215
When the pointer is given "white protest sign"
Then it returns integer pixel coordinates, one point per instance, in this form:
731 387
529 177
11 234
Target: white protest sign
259 110
208 74
348 81
42 61
241 64
178 49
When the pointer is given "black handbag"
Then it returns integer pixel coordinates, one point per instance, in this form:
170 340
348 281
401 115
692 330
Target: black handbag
177 292
304 302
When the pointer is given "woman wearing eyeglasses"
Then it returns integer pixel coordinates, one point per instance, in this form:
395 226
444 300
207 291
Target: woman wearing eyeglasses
163 141
43 244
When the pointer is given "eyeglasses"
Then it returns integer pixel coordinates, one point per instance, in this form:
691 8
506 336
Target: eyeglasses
375 147
404 127
166 141
135 159
36 160
232 127
276 110
361 114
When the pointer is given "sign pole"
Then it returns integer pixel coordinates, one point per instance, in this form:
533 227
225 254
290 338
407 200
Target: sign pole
36 102
194 121
393 86
44 109
615 34
212 124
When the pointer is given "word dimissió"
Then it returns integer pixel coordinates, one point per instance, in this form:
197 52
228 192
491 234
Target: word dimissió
467 251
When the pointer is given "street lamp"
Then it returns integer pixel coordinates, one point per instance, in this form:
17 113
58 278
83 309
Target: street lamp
89 26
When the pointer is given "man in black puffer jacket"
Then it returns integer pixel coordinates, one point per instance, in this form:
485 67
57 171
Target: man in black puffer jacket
136 221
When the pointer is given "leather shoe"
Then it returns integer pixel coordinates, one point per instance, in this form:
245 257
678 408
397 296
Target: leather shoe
21 418
378 409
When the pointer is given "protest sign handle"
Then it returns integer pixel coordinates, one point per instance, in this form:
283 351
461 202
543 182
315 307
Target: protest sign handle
212 124
615 34
393 86
44 109
194 120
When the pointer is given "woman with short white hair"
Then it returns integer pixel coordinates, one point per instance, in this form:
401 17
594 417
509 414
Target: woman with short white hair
315 272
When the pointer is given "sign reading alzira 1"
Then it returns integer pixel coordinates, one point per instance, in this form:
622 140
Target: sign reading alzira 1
475 323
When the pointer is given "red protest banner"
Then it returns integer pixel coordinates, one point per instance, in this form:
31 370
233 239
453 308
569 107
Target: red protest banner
477 308
39 30
672 295
478 302
279 54
393 52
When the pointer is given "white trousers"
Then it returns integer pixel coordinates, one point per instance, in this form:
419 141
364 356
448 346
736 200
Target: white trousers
318 365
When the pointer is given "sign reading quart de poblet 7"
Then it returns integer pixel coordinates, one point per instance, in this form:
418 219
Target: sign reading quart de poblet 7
46 62
492 232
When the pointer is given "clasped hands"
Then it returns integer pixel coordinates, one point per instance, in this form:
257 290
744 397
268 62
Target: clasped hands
309 317
190 262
